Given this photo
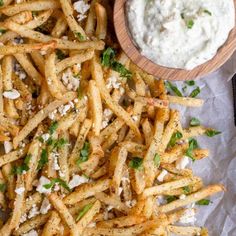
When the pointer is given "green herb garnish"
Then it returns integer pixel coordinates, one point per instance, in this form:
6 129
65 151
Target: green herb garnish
43 159
157 160
60 54
24 167
53 127
136 163
182 15
80 36
59 181
212 132
190 24
207 12
171 198
195 92
34 13
1 3
2 31
84 153
170 86
84 210
108 60
174 138
192 145
3 188
190 82
194 122
203 202
186 190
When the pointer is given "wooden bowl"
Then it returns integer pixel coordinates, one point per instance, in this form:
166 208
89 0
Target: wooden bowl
122 32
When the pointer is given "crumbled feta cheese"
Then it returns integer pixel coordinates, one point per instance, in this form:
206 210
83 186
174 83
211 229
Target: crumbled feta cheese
125 179
131 203
106 116
112 83
182 196
92 225
11 94
76 100
109 208
56 187
120 191
160 200
45 206
81 7
134 118
182 163
23 218
188 217
77 180
43 52
20 190
45 137
7 146
52 115
31 233
34 211
42 181
162 175
64 37
70 81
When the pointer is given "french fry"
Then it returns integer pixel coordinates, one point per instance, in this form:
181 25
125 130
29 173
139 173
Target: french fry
205 192
87 190
188 102
51 227
101 29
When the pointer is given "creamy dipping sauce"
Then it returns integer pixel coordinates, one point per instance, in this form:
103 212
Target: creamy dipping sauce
180 33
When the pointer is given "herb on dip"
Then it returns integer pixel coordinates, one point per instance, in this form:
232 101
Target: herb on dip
180 33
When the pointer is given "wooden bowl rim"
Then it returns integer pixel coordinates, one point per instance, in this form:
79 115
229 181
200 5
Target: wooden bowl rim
128 46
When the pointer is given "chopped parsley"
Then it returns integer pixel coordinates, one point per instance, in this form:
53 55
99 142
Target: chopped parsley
43 159
174 138
83 211
192 145
136 163
59 181
56 143
212 132
207 12
53 127
19 170
190 24
1 3
195 92
182 15
186 190
80 36
3 187
84 153
157 160
34 13
194 122
172 87
80 93
2 31
190 82
203 202
108 60
60 54
171 198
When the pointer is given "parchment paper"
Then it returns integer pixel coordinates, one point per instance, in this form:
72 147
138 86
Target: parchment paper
216 89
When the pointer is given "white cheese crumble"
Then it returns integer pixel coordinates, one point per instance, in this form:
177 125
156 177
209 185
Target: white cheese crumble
188 217
31 233
45 137
42 181
162 175
106 116
182 196
45 207
77 180
160 200
11 94
112 83
34 211
20 190
23 218
19 71
55 156
70 81
81 7
182 163
131 203
7 146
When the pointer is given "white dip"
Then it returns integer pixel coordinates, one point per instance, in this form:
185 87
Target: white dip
180 33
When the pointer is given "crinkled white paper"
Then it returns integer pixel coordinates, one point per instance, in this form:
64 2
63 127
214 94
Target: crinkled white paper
217 112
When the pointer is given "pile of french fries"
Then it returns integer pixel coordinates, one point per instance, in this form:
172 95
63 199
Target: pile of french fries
93 159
